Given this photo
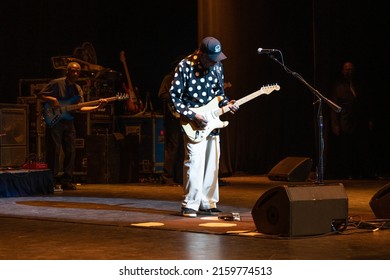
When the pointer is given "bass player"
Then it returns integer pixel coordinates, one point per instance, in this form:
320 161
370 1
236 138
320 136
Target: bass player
62 134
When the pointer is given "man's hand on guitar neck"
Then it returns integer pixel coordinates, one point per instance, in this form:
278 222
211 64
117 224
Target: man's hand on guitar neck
233 106
102 102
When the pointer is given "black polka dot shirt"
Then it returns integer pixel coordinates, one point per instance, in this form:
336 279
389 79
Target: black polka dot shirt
194 86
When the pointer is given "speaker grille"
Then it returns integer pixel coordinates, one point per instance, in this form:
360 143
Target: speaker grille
13 134
13 124
13 156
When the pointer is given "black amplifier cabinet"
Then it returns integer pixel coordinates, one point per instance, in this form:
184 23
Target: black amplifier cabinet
13 135
35 126
30 87
149 129
112 158
102 121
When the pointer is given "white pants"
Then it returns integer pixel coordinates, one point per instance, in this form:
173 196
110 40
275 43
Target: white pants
200 173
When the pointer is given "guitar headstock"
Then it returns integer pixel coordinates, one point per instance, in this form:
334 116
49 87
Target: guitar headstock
270 88
122 96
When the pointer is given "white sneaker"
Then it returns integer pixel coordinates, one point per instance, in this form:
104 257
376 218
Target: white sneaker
187 212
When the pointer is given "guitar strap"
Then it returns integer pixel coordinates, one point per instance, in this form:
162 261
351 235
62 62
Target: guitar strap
219 77
220 82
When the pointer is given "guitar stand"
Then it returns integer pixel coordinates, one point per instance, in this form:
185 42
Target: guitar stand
148 106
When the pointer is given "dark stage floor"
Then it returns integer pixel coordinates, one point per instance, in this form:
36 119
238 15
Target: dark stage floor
97 222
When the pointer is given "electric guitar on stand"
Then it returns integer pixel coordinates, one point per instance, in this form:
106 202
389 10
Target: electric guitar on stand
134 104
211 111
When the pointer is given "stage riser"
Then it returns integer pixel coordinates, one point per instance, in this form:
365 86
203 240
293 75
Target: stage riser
26 182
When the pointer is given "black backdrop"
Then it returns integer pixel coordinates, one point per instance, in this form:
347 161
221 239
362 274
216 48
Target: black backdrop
314 36
152 34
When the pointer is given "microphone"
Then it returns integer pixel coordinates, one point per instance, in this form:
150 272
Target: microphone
266 51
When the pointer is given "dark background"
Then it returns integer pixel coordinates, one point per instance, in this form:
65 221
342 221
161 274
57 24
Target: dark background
315 38
151 33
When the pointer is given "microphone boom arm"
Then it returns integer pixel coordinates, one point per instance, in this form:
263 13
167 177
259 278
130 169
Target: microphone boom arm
335 107
330 103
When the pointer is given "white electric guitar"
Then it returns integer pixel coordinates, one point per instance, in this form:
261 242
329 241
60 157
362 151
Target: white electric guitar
212 111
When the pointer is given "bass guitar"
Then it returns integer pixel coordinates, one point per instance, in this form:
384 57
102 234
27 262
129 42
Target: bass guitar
211 112
134 103
53 115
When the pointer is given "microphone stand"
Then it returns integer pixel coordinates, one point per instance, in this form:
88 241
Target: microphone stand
320 98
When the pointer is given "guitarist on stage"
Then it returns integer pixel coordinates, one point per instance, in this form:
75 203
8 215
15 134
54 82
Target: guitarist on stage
62 134
198 79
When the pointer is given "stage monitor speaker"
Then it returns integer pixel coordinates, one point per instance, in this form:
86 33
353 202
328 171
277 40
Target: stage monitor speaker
291 169
380 203
301 210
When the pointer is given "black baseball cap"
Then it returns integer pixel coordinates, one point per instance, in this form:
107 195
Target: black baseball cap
212 47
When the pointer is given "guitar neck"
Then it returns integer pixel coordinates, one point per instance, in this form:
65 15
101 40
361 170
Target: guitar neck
211 112
249 97
239 102
77 106
129 83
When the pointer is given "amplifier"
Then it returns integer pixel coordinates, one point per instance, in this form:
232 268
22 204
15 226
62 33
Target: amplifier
13 124
149 129
13 156
105 113
30 87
